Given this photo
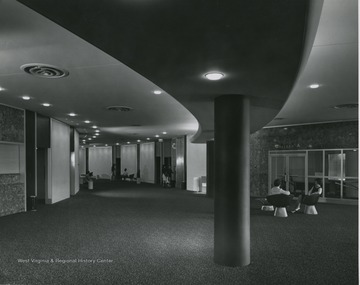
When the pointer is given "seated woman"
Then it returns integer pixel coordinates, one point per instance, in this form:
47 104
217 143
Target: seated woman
315 190
277 189
125 174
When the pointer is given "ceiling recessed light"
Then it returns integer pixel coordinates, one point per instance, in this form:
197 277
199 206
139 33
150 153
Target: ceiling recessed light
148 139
214 75
97 134
164 133
157 92
25 97
117 143
138 140
157 136
94 127
72 114
94 137
87 122
128 142
46 104
106 145
96 131
314 86
89 139
2 89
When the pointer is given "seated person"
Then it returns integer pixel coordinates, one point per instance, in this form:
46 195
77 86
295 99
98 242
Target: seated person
125 174
89 176
315 190
277 189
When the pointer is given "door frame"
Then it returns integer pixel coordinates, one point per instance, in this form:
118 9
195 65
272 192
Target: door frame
287 156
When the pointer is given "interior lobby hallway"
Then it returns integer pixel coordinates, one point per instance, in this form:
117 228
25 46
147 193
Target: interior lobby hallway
125 233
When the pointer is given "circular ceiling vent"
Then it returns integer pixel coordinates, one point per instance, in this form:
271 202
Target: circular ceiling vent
44 70
119 108
346 106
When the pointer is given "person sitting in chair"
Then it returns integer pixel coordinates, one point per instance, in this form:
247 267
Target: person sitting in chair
89 176
315 190
125 174
277 189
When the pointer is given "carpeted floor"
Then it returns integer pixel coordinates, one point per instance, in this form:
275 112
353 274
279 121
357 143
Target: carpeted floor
124 233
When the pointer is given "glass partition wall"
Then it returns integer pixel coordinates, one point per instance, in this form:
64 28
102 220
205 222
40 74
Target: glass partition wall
336 168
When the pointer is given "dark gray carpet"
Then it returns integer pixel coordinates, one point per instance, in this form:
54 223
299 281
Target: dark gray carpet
123 233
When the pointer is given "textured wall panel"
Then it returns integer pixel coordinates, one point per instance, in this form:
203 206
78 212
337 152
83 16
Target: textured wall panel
11 124
12 195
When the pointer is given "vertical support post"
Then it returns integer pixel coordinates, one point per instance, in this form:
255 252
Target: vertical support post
210 168
232 182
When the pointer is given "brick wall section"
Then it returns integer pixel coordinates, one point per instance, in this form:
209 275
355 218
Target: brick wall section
319 136
12 196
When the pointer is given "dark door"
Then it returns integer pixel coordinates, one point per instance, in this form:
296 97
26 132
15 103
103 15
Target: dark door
41 174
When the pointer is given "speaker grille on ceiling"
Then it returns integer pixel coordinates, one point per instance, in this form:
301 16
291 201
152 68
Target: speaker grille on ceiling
44 70
119 108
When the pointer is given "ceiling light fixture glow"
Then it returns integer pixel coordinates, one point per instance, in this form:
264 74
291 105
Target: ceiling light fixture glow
72 114
2 89
314 86
87 122
96 131
214 75
46 104
25 97
157 92
164 133
157 136
94 127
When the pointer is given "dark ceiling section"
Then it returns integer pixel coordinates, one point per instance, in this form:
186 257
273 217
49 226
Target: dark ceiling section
257 44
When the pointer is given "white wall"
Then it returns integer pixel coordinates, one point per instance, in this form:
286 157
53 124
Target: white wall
195 161
100 160
129 158
147 162
59 163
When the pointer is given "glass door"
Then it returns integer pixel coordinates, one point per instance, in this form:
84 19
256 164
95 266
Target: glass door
277 170
290 169
296 174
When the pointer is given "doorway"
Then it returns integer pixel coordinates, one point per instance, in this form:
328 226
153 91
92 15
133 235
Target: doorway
290 168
